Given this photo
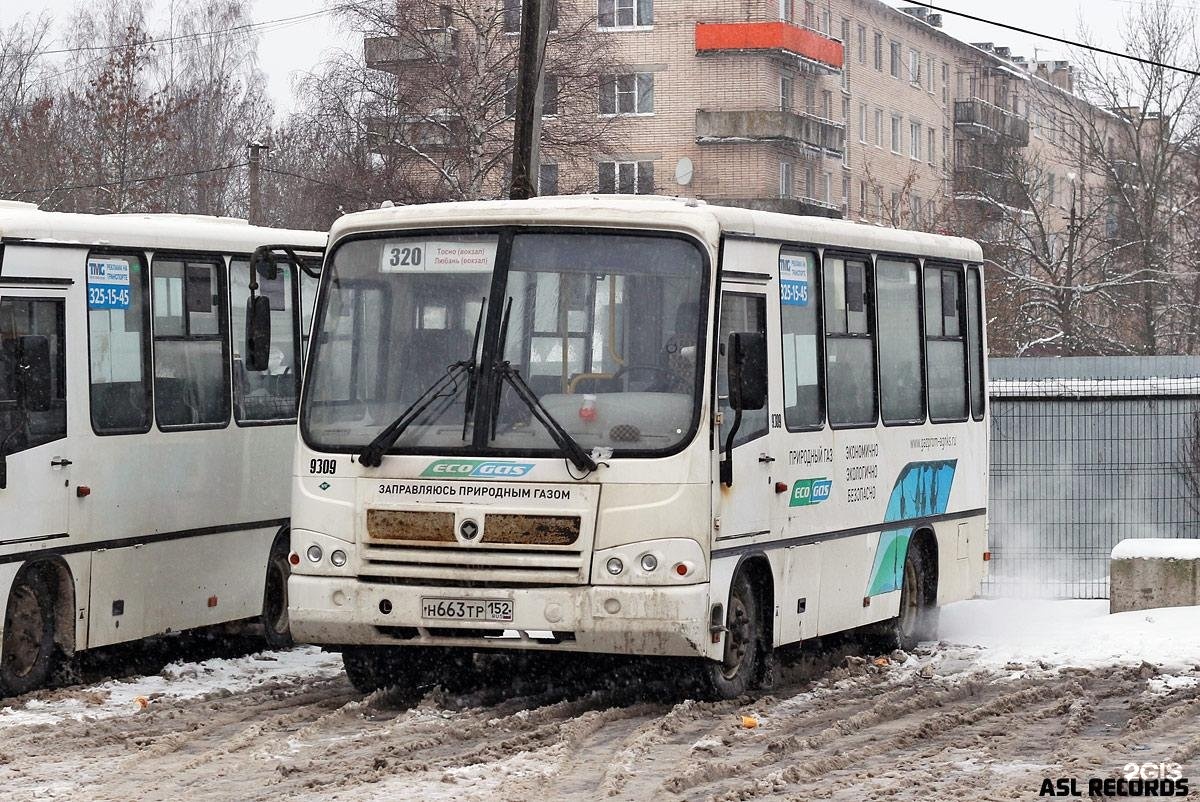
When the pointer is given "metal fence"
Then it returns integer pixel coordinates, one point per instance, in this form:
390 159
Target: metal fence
1085 452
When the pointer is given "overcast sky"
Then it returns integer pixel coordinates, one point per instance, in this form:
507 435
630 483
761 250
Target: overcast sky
286 51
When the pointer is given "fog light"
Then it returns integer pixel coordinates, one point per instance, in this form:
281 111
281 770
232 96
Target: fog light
338 558
649 562
615 566
314 553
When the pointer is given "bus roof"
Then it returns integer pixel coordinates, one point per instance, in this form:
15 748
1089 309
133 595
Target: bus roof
643 212
25 222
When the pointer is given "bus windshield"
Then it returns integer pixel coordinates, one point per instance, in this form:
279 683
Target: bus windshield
604 329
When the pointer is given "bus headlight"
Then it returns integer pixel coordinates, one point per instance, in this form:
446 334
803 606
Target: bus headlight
649 562
314 553
615 566
338 558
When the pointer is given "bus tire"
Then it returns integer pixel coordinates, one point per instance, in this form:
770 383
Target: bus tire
918 618
28 654
275 623
745 651
371 668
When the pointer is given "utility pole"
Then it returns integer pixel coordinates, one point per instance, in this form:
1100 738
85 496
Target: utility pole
255 150
527 127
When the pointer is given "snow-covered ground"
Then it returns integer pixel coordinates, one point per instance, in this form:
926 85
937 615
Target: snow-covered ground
1016 691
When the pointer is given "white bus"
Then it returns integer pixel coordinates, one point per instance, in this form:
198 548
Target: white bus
143 469
642 426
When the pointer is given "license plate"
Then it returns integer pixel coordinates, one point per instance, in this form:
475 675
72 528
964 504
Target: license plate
466 609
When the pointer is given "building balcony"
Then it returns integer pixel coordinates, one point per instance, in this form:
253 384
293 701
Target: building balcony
395 53
790 127
391 135
973 183
779 39
980 119
802 206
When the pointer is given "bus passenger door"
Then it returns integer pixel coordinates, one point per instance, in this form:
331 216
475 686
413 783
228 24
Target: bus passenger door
744 508
33 416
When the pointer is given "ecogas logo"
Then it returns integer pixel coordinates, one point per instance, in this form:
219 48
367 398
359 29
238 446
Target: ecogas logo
810 491
475 469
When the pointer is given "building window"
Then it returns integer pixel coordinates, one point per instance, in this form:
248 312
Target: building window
786 10
862 123
550 96
862 44
827 188
946 150
895 59
787 93
879 128
803 402
914 68
914 141
849 343
810 182
512 16
945 344
845 196
897 134
191 369
945 84
878 51
932 155
929 74
827 104
547 179
625 13
901 393
627 178
785 179
627 94
862 197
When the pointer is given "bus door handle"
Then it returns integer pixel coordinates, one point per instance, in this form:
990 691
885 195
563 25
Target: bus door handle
765 458
59 462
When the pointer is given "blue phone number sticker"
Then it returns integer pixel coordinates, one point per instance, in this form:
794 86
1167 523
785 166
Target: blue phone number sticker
108 298
793 293
108 284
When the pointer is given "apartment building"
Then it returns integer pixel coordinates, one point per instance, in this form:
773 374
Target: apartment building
846 108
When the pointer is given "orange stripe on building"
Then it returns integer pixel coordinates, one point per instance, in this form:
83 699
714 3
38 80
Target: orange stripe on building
714 36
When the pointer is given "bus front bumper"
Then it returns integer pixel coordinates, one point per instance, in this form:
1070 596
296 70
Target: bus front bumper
669 621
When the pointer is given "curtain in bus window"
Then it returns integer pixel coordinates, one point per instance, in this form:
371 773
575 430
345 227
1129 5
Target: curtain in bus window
23 320
118 344
190 376
849 346
270 394
803 405
946 350
975 343
901 394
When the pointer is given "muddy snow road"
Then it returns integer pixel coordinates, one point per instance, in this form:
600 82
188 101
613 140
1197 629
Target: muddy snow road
950 722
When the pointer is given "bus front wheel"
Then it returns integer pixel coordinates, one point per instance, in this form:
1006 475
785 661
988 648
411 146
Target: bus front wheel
27 653
743 659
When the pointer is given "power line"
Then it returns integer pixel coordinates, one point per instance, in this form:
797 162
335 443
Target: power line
246 28
140 180
312 180
1059 39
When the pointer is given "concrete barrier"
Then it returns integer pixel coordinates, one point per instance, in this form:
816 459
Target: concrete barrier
1154 572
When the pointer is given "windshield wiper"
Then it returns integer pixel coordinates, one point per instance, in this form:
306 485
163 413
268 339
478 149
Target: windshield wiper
372 455
507 373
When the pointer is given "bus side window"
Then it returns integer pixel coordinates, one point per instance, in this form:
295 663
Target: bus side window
803 403
36 318
119 344
975 343
739 312
269 395
849 343
308 299
945 346
901 391
191 377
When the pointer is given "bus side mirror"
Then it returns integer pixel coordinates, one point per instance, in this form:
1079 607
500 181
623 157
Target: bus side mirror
258 333
747 362
34 384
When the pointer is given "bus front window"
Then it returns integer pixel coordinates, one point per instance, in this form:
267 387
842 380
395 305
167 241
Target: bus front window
604 328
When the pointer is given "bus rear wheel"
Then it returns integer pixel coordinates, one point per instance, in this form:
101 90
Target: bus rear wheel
918 618
742 662
27 653
276 626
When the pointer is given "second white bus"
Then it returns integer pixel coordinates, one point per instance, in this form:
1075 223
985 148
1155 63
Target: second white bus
143 468
641 426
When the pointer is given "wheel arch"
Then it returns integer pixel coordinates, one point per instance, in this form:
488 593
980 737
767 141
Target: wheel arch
924 541
757 565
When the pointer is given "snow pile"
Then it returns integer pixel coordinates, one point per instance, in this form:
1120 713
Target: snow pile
1157 548
176 682
1072 633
